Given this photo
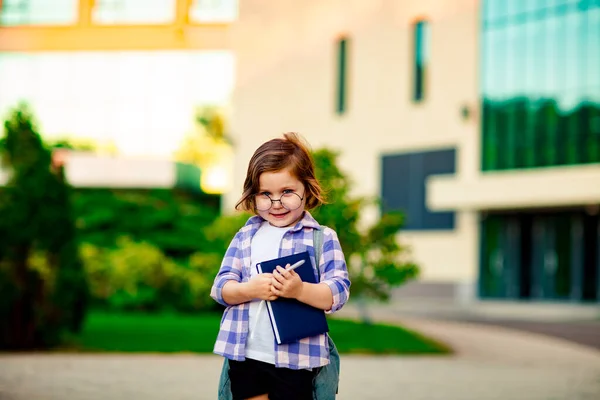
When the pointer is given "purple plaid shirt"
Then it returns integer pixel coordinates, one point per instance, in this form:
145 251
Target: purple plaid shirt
309 352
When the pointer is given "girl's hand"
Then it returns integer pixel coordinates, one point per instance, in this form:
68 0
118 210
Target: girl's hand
286 283
259 287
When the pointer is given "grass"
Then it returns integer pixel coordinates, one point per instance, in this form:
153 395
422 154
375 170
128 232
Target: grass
111 332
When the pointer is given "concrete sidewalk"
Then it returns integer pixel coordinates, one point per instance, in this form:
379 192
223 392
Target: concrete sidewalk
490 363
579 323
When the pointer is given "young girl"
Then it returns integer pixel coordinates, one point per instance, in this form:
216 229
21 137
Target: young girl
280 186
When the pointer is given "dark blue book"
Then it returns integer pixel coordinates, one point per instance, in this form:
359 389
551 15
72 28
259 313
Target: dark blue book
291 319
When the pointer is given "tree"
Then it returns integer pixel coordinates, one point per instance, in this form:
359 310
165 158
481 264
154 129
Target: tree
210 148
376 261
43 289
202 146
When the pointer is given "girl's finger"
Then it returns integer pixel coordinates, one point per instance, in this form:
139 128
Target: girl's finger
277 277
276 284
284 272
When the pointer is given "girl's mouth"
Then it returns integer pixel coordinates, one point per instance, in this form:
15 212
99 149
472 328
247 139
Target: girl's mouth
280 216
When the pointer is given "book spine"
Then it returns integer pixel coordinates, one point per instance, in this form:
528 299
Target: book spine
273 323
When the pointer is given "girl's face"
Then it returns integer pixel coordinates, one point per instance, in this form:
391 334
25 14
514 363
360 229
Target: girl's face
287 191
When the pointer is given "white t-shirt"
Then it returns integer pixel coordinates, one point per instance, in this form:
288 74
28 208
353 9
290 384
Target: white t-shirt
265 246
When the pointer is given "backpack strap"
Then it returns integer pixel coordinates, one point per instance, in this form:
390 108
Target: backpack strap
328 377
318 246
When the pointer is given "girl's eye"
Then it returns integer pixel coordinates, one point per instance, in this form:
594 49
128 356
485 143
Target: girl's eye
288 191
265 194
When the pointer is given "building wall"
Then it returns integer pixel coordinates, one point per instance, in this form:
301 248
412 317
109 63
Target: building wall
286 81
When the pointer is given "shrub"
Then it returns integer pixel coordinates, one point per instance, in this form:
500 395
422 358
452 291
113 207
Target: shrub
172 220
43 286
139 276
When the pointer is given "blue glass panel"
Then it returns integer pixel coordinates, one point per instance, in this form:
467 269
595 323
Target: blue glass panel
556 29
214 10
592 46
38 12
495 10
535 87
535 6
540 79
497 44
134 11
574 42
518 7
421 57
342 82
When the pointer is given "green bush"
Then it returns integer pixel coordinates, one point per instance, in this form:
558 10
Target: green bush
43 286
219 234
139 276
172 220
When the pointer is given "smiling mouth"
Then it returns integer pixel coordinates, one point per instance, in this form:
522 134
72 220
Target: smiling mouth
280 215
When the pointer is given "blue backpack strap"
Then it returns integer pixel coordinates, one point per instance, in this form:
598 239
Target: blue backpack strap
224 383
325 383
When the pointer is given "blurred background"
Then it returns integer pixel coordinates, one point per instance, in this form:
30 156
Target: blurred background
129 125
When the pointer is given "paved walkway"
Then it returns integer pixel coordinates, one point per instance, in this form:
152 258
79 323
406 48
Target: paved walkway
578 323
583 332
490 363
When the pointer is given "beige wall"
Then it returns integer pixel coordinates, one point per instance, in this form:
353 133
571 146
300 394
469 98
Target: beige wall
286 79
572 185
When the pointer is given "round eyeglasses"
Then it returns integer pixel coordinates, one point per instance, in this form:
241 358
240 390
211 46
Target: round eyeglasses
290 201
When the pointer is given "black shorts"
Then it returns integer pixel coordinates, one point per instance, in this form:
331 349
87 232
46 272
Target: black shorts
252 378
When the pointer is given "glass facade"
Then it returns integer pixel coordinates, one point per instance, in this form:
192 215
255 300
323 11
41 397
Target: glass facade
134 11
420 58
214 11
540 83
551 255
65 12
38 12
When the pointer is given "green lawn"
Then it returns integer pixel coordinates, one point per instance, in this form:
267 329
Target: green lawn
186 333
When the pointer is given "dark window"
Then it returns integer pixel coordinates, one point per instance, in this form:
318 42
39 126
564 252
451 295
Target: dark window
541 83
421 58
342 76
404 180
540 255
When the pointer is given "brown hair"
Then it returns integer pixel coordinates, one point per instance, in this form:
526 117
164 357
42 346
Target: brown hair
275 155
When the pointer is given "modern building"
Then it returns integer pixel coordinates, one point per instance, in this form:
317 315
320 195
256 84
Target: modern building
479 119
124 73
